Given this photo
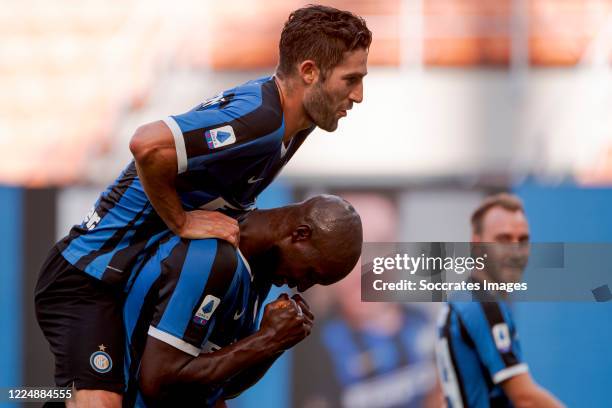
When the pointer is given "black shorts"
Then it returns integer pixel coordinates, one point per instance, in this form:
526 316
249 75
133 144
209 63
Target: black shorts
82 319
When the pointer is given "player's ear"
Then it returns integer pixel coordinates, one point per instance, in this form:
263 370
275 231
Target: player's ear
309 72
301 233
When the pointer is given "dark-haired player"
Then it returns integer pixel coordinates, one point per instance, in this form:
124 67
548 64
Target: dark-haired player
188 171
191 315
478 352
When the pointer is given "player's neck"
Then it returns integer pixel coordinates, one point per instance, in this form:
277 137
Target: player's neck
258 233
296 118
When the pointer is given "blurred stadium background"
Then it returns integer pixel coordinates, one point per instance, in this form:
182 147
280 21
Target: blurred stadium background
463 98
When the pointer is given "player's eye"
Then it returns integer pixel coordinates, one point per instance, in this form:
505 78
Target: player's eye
503 239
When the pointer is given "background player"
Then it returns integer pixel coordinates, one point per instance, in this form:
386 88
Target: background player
478 352
202 296
218 156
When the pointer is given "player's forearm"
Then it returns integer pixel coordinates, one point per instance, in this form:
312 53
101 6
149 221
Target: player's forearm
537 398
154 153
162 194
215 368
525 393
164 366
247 378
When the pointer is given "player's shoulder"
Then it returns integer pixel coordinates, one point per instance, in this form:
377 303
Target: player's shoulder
497 311
216 253
256 89
256 105
258 99
468 313
248 111
234 117
197 263
482 313
193 257
465 308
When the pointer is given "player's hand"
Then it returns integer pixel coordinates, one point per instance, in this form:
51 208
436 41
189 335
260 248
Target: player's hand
286 322
201 224
299 300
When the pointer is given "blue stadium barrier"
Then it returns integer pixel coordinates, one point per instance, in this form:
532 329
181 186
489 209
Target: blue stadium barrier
568 346
11 287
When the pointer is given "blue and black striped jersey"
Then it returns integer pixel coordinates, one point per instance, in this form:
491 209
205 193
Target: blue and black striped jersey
229 149
477 350
195 295
373 368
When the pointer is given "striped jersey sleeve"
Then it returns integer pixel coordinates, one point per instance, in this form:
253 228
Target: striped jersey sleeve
491 328
226 125
196 279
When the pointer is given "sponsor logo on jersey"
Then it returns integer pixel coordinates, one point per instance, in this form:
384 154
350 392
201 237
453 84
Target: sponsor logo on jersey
100 360
501 335
206 309
219 137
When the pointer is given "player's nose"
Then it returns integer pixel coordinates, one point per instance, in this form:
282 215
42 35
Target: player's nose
357 94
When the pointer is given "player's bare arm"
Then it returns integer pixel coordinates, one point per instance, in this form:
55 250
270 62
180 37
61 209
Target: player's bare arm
525 393
249 377
155 155
283 325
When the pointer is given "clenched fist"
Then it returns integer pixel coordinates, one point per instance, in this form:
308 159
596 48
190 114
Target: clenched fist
287 320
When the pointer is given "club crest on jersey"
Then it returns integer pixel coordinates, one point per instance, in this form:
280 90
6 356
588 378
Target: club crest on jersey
219 137
100 360
206 309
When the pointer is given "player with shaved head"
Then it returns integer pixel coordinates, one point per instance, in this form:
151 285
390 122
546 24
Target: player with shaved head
191 315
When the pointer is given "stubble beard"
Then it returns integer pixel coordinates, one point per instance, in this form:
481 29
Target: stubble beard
317 107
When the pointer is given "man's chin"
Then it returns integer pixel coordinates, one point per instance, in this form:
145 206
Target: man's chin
328 127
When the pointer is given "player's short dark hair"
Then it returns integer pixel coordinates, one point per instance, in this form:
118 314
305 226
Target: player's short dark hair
322 34
507 201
